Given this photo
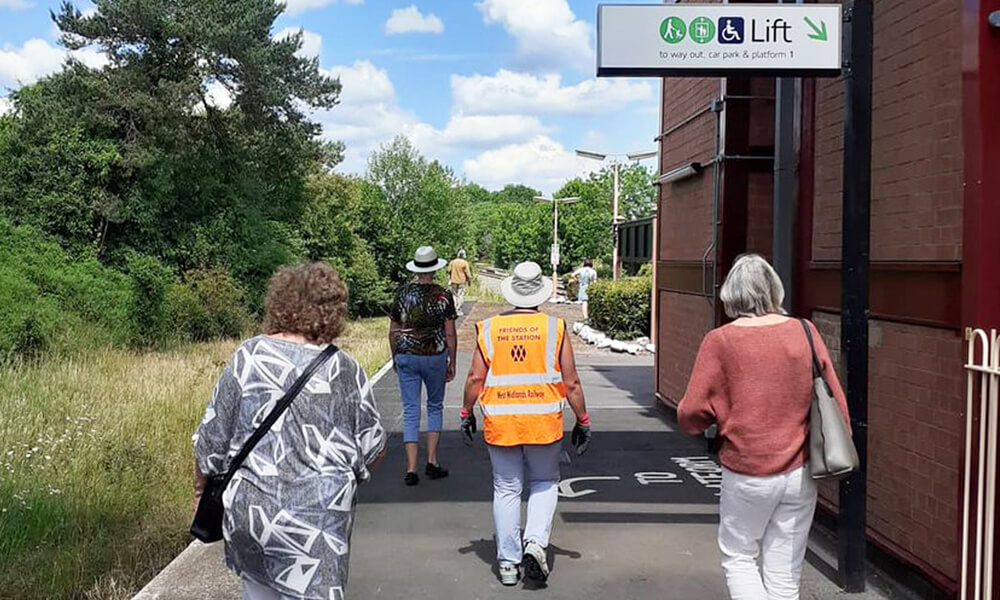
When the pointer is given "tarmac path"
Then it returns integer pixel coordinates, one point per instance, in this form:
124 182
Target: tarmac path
637 517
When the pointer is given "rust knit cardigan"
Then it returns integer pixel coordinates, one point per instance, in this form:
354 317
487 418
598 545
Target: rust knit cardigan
755 382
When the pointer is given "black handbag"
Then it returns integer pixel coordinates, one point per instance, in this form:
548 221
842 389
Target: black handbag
207 525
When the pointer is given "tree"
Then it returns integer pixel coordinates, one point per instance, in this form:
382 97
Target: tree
191 146
586 226
409 202
329 227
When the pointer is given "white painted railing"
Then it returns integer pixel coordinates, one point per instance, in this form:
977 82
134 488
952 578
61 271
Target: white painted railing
979 495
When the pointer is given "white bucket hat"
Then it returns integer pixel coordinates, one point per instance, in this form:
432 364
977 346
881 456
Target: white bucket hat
527 287
426 260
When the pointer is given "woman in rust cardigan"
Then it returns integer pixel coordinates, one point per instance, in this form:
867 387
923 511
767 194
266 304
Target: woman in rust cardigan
753 377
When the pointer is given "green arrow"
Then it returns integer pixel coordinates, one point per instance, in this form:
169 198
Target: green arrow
818 33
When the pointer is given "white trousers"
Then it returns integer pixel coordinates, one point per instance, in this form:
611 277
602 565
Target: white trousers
765 518
538 466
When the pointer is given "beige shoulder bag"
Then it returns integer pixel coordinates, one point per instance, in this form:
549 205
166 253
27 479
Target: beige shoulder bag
831 449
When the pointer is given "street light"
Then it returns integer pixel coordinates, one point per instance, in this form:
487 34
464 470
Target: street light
635 156
555 235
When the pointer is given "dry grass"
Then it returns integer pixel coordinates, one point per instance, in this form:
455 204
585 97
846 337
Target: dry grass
95 463
482 292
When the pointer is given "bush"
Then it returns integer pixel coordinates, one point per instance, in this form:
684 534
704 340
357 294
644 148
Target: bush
369 294
646 270
208 305
51 301
26 320
621 308
148 315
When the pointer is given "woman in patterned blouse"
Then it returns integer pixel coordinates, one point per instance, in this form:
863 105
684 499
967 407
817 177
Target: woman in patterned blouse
290 506
422 338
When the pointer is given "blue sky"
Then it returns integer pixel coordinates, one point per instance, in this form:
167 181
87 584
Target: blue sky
503 91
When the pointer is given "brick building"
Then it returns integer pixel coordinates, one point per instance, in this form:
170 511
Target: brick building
935 247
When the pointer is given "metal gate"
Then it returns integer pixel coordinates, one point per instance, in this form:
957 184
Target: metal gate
980 486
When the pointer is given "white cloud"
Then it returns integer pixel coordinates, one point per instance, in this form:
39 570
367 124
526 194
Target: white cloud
540 162
294 7
369 115
476 132
5 106
312 42
411 20
16 4
364 83
512 92
37 58
547 35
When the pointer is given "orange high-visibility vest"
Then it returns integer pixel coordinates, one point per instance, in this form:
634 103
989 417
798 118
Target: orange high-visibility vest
524 393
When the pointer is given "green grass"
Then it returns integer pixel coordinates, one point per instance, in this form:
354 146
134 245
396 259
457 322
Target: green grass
96 459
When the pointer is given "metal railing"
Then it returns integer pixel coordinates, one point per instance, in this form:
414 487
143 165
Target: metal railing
980 496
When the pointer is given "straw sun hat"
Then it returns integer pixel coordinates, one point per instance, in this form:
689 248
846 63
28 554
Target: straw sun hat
426 260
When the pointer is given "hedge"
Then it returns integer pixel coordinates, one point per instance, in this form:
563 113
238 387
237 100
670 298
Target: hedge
621 308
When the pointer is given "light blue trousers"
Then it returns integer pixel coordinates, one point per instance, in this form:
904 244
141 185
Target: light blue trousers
538 466
417 371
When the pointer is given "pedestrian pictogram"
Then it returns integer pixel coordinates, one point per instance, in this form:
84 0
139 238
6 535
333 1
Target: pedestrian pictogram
731 30
702 30
673 30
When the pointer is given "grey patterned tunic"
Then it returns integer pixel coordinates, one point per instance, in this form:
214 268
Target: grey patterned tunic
290 507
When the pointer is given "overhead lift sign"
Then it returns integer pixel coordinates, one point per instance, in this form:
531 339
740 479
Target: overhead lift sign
650 40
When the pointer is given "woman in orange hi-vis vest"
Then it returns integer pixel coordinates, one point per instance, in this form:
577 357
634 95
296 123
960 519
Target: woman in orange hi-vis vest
522 375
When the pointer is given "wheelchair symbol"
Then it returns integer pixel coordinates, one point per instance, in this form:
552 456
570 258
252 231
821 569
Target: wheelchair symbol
731 30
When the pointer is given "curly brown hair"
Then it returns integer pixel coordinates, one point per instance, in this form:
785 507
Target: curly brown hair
308 300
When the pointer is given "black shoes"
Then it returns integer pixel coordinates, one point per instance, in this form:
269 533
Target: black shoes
432 472
435 471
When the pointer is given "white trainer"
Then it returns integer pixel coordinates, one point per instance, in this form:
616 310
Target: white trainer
509 574
536 566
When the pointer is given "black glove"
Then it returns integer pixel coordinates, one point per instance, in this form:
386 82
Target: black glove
468 428
580 438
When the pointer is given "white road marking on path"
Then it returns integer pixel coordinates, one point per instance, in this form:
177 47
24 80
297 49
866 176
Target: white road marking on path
566 486
381 372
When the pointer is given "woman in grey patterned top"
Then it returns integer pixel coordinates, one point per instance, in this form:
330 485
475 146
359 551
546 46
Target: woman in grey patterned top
290 507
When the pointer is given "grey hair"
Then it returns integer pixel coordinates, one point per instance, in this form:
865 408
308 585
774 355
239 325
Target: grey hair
752 288
461 253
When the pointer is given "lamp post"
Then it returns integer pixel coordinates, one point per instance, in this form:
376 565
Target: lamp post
555 235
637 156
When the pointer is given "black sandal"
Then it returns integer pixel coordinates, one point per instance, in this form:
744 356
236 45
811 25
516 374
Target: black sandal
411 478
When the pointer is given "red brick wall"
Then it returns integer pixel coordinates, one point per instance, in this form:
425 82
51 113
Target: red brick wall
683 321
685 211
915 438
685 222
915 384
917 152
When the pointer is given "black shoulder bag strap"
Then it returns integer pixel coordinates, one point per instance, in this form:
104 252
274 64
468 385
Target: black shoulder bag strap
817 369
276 412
